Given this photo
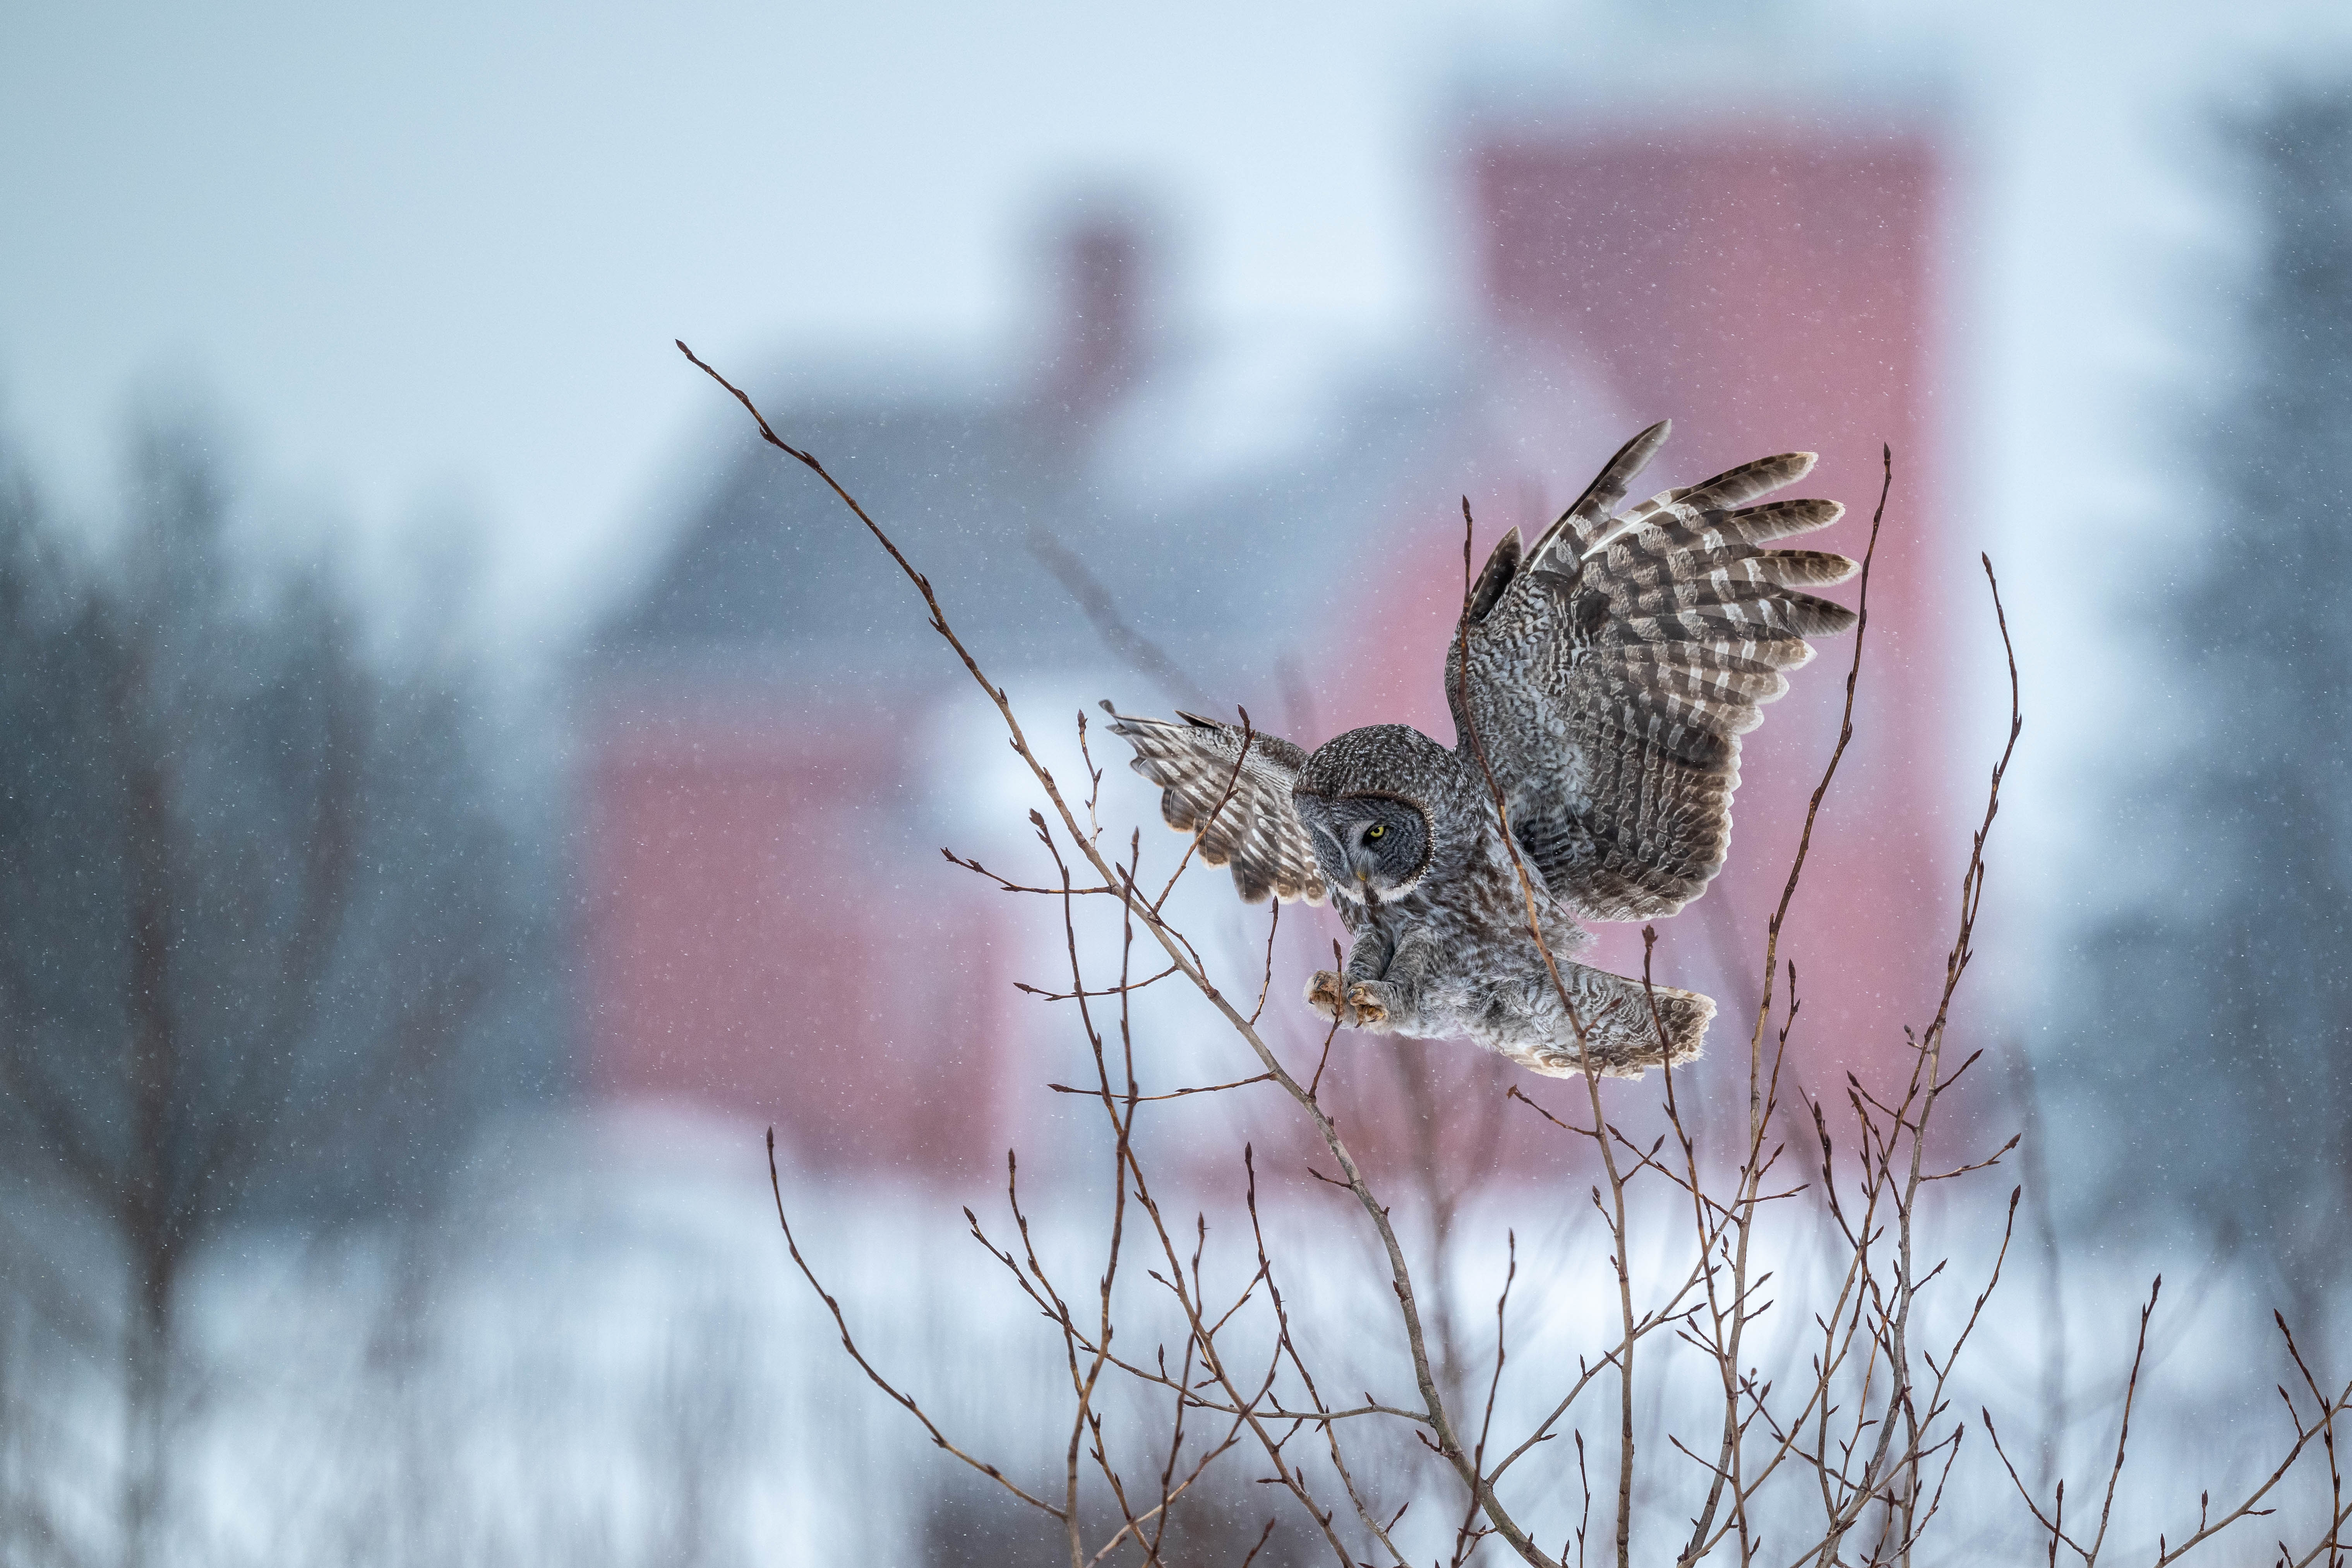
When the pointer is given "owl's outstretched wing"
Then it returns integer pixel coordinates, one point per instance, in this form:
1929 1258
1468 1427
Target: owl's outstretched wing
1241 814
1613 668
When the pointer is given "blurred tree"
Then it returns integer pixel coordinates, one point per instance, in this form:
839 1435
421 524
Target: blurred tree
2224 1021
254 895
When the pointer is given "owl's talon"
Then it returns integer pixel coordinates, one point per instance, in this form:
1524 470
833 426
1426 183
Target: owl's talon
1323 993
1371 1007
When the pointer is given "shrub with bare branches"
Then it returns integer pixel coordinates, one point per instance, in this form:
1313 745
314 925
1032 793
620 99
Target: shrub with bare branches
1823 1440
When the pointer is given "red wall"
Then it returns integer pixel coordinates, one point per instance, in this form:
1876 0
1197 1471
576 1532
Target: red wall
1768 292
759 939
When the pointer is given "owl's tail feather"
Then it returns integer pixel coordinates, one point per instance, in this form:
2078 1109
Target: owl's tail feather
1629 1029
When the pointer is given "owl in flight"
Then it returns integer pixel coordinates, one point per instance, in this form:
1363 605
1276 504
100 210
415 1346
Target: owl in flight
1610 671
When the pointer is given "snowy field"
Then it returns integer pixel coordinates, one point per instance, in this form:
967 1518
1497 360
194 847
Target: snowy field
604 1356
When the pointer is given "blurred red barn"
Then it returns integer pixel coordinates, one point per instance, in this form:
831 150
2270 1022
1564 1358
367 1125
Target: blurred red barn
768 921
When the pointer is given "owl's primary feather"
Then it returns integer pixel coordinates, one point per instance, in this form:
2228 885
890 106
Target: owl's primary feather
1237 804
1617 663
1604 677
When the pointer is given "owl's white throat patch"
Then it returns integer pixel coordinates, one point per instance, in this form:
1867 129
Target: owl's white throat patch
1373 897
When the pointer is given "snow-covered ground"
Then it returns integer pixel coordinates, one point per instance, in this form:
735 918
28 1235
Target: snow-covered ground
604 1354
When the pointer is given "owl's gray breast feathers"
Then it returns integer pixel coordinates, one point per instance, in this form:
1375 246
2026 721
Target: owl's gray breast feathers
1231 789
1612 668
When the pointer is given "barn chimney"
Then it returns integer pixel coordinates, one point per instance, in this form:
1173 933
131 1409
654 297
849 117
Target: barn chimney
1095 352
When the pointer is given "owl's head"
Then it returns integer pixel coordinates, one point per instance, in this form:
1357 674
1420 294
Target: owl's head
1368 799
1372 846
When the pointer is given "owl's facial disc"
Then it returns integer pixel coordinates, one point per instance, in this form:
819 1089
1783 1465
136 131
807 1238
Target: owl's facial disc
1372 847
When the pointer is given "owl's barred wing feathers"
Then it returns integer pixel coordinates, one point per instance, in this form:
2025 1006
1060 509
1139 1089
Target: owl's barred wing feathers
1613 668
1243 818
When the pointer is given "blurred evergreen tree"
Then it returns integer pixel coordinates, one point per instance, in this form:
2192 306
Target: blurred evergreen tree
2222 1032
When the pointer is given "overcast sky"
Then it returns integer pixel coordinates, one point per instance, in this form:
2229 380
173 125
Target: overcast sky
427 259
435 254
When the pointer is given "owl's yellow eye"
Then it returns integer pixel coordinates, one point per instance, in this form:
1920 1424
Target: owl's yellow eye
1376 830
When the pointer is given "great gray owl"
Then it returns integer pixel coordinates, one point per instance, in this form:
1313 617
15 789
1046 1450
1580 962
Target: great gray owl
1611 671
